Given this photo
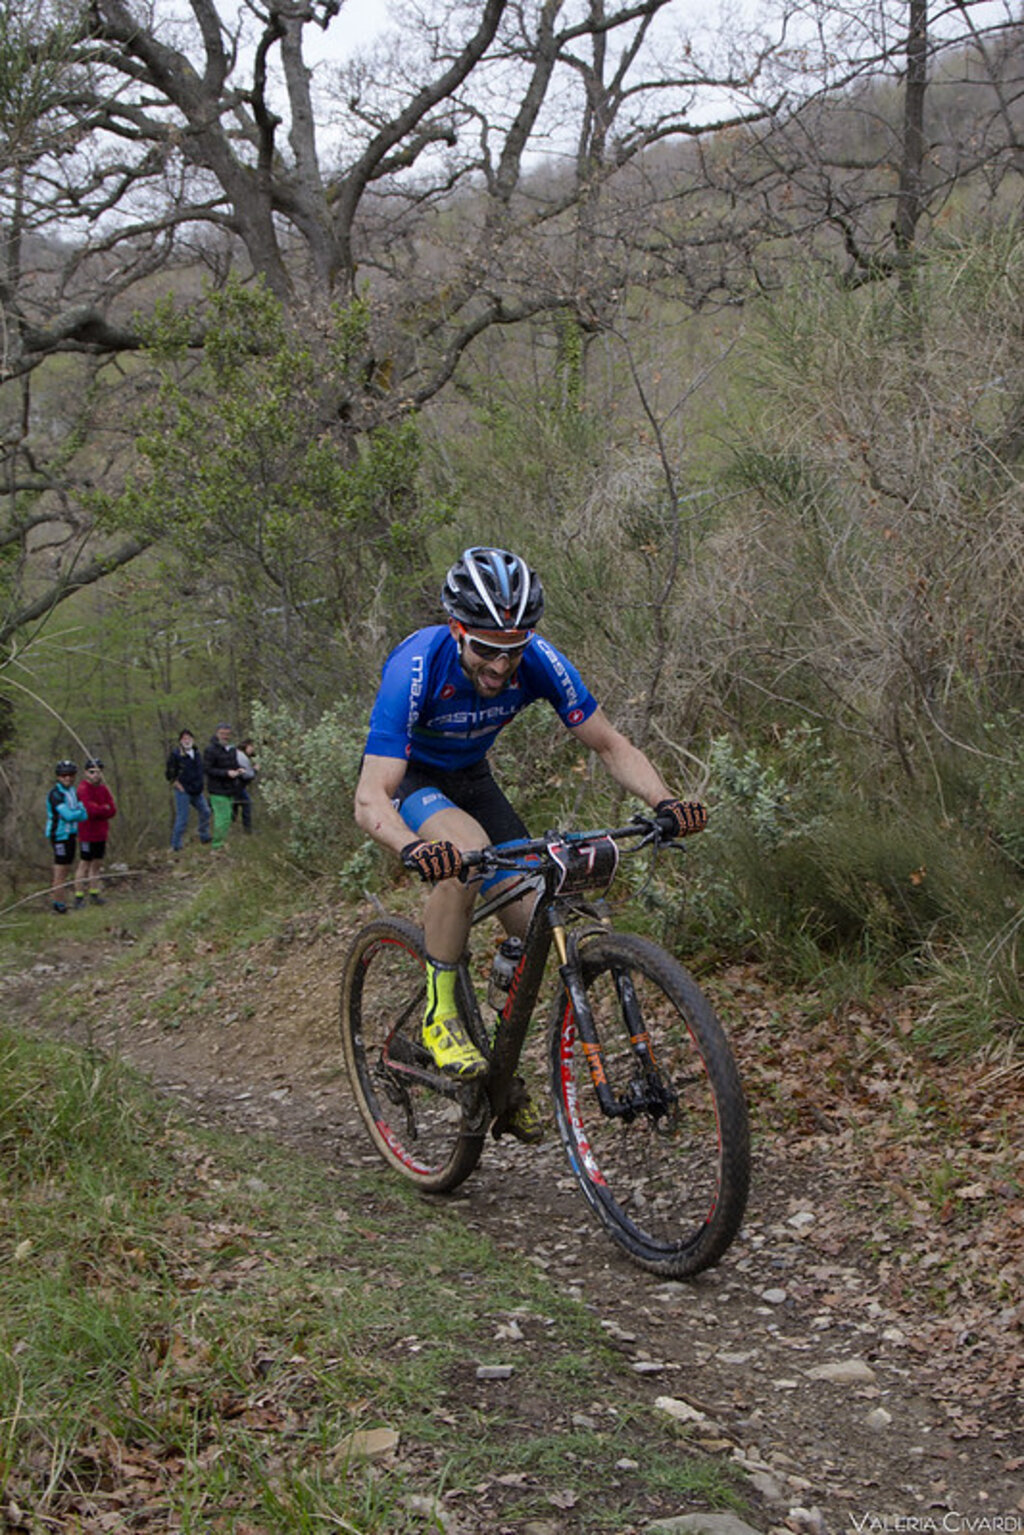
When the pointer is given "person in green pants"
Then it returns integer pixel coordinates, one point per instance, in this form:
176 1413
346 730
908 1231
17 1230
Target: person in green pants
222 770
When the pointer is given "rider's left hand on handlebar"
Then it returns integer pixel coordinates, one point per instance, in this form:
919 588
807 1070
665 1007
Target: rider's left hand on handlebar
680 818
432 861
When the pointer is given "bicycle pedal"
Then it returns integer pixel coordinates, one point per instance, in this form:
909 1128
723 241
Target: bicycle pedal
521 1121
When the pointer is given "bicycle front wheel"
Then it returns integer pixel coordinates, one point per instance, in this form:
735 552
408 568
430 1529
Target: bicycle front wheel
665 1164
429 1129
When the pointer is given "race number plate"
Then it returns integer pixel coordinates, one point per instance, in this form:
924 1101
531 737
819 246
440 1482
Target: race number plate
586 865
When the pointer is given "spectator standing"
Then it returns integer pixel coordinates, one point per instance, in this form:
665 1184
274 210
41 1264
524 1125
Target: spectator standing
92 833
243 802
222 773
64 812
186 777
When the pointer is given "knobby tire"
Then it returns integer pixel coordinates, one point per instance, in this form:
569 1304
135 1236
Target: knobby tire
669 1183
433 1139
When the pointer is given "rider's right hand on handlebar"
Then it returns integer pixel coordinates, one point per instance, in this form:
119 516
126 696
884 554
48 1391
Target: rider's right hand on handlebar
433 861
680 818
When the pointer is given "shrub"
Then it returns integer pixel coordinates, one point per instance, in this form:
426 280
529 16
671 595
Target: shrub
1001 793
799 864
308 776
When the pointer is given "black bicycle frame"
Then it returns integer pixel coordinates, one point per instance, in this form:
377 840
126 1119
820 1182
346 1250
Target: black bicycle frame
549 924
524 989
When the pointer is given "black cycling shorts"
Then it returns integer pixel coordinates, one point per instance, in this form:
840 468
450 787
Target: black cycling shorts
472 789
64 850
92 852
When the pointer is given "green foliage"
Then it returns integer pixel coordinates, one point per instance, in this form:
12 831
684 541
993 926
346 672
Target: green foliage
518 453
239 452
570 359
787 795
248 465
805 869
785 480
1001 791
308 780
36 80
878 566
976 994
64 1108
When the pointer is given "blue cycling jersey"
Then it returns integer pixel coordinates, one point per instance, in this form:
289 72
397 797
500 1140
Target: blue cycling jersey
428 711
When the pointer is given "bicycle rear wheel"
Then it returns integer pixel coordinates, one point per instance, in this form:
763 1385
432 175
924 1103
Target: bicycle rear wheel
429 1129
668 1174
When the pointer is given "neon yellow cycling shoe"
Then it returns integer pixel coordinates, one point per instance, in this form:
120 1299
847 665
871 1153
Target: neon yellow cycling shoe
454 1052
525 1123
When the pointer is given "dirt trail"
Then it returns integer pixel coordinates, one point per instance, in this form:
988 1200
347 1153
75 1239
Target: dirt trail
849 1403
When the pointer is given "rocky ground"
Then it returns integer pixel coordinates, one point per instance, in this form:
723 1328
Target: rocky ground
859 1351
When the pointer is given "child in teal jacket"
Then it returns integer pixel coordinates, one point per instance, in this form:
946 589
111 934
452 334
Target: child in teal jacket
64 810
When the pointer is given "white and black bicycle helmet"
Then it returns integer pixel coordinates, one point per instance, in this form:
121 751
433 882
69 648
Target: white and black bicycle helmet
493 589
65 767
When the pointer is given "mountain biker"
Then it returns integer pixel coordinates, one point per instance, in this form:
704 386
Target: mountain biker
445 694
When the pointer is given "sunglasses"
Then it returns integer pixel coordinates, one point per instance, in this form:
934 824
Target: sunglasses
489 652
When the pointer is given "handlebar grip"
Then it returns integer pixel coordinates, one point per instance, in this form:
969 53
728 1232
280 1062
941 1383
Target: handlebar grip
473 860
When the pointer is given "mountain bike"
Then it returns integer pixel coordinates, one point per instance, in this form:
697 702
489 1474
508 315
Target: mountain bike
647 1096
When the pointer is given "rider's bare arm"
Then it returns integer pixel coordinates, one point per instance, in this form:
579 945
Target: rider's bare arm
626 763
374 812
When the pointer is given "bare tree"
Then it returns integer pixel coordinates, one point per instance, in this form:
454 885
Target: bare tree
918 106
183 144
488 164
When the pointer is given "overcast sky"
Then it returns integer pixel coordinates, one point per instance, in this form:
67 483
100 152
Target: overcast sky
358 22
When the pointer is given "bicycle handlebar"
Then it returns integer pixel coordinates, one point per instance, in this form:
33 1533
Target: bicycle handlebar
526 852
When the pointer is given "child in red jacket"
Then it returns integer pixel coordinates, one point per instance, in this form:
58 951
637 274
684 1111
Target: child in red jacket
92 835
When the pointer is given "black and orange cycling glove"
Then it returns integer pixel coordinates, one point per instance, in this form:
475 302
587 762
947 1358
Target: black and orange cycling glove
433 861
680 818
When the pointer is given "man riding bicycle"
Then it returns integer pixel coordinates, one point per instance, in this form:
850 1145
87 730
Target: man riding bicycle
446 693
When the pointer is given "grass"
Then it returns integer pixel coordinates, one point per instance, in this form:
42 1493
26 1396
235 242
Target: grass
194 1325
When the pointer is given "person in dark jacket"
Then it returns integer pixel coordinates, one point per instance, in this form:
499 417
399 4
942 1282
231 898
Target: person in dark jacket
243 800
222 774
64 811
186 776
93 832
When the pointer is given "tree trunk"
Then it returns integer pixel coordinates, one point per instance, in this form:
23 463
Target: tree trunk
909 196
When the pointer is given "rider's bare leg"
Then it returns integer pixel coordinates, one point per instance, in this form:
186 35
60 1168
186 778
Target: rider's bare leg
446 922
449 906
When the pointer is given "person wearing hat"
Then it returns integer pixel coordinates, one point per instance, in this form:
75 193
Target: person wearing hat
186 777
64 811
222 773
92 835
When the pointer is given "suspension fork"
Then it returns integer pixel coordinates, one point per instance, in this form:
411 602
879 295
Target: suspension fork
572 979
638 1035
